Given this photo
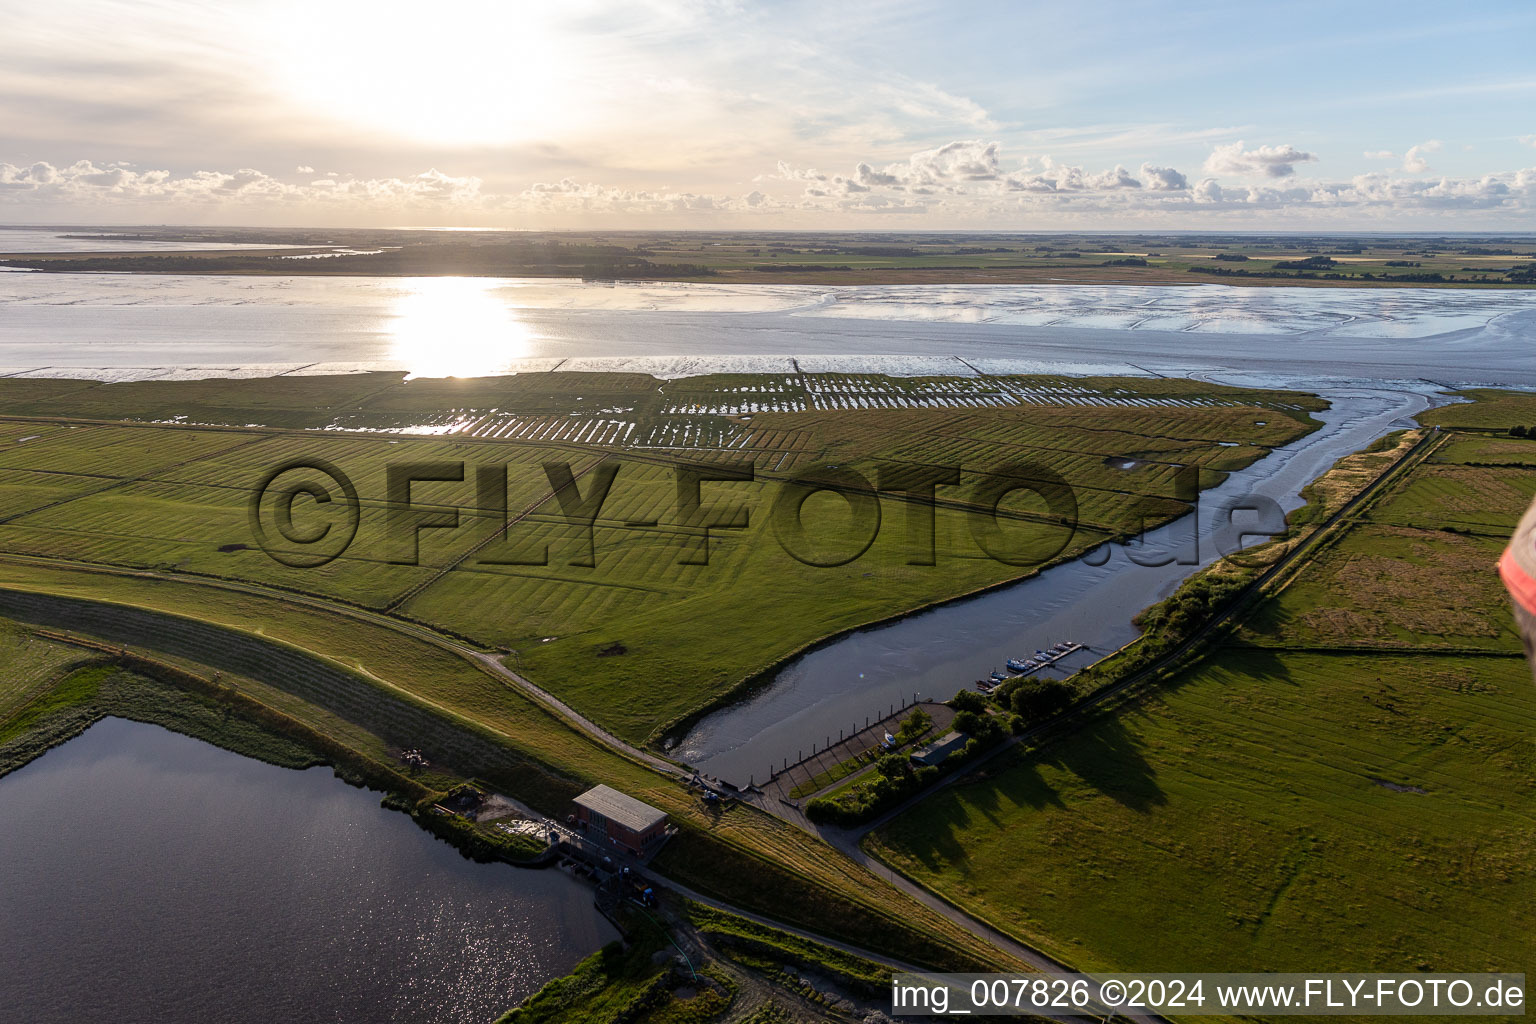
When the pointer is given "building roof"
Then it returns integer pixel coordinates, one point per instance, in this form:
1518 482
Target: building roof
941 748
633 814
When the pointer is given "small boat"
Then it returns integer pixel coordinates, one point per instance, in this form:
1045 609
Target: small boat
1015 665
998 677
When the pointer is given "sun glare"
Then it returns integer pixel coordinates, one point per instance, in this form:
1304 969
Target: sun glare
460 74
457 327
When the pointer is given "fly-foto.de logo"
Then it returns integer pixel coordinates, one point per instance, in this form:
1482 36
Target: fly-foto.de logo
308 513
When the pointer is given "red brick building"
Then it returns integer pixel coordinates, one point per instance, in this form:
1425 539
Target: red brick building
605 813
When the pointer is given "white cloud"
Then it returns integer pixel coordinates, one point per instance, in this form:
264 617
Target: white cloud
85 183
1033 183
953 162
1163 179
1413 160
568 197
926 102
971 160
23 177
867 176
789 172
974 168
951 185
1208 191
1119 178
1269 161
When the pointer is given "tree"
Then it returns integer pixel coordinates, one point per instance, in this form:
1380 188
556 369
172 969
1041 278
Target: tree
1518 432
968 722
1039 699
968 700
894 766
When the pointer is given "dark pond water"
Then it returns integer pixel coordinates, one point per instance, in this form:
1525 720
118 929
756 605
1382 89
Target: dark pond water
148 877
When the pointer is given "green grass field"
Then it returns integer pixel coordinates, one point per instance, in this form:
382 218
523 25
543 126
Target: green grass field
841 258
1488 409
1349 783
1415 573
641 638
31 665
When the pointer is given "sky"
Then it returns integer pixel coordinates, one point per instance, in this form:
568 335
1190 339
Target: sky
724 114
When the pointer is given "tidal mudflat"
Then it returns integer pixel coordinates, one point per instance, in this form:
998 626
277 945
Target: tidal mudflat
135 326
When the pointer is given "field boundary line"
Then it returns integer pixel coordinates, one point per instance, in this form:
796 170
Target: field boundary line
474 549
125 481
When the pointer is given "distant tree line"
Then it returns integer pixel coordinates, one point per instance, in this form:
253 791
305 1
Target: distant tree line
1515 277
630 268
1310 263
553 259
780 268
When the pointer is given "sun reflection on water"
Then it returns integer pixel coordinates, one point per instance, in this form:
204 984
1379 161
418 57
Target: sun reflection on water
457 327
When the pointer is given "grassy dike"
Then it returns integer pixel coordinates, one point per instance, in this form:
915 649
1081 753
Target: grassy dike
92 683
335 676
101 685
96 690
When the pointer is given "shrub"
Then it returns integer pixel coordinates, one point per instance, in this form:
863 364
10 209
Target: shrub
917 723
872 798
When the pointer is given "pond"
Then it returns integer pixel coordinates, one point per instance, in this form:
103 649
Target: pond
149 877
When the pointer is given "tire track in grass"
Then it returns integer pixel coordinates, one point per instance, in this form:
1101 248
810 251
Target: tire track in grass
415 591
125 481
